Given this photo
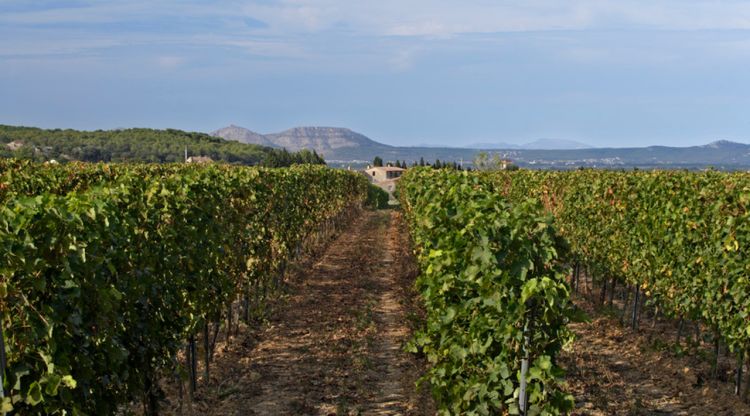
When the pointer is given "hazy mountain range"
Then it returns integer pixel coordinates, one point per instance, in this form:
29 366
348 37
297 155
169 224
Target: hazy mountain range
324 140
540 144
341 146
330 139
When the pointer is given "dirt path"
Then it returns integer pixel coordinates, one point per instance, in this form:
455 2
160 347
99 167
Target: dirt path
333 345
615 371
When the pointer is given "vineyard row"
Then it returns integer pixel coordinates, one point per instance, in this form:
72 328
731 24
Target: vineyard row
679 238
106 270
496 298
495 249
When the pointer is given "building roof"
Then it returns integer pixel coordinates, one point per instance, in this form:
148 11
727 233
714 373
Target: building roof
14 145
386 168
199 159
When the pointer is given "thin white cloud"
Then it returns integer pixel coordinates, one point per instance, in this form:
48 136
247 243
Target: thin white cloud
170 62
623 55
268 47
104 12
48 45
322 31
419 17
403 60
441 18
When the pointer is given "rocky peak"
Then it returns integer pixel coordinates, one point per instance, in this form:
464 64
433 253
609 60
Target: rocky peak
242 135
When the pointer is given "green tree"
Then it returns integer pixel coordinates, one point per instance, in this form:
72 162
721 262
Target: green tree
483 161
378 161
139 145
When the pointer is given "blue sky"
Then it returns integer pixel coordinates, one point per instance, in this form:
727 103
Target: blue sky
604 72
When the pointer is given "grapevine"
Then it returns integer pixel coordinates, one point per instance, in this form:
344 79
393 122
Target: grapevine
107 269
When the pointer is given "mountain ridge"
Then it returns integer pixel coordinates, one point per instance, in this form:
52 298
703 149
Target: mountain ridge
344 147
538 144
242 135
324 140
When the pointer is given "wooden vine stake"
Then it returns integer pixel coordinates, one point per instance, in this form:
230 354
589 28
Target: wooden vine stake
255 288
237 320
2 388
522 399
206 350
150 401
181 387
215 336
2 366
625 301
586 286
738 378
715 364
192 363
246 304
229 321
634 323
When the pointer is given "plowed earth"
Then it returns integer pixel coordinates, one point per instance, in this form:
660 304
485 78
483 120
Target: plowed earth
333 344
613 370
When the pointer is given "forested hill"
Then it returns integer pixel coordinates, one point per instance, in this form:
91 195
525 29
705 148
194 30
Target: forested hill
138 145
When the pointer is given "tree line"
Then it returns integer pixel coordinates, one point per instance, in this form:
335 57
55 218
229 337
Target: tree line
139 145
437 164
482 161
